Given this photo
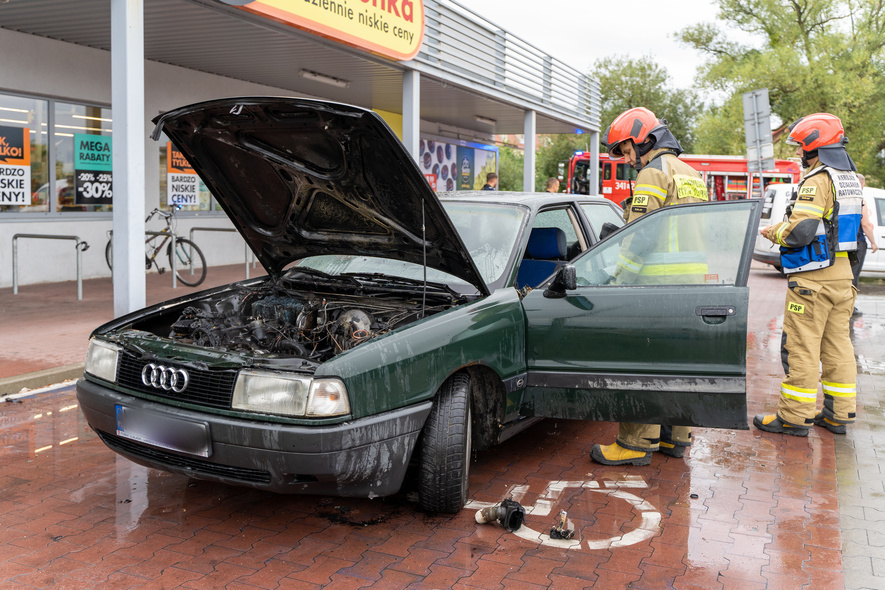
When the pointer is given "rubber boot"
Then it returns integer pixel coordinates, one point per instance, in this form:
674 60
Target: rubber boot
671 449
615 454
773 423
833 427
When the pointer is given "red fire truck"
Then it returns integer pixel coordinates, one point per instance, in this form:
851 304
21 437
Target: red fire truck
726 177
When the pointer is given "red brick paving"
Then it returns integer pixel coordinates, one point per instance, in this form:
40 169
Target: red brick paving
765 513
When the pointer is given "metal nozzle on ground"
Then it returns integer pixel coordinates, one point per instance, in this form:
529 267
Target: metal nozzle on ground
510 514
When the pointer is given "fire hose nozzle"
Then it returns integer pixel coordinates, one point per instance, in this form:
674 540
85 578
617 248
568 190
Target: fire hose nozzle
510 514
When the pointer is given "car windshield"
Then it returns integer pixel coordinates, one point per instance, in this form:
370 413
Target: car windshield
489 230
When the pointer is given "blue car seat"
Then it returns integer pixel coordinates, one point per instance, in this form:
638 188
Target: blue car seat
546 252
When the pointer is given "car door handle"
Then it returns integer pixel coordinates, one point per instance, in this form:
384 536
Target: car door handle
715 311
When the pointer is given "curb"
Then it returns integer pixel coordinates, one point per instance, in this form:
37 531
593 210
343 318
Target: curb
38 379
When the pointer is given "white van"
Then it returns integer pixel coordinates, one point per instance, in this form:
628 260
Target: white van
874 263
774 208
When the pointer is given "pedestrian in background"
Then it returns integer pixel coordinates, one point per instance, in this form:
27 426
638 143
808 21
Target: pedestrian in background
820 232
491 182
552 185
865 233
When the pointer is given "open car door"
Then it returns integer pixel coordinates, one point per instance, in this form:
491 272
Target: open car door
655 331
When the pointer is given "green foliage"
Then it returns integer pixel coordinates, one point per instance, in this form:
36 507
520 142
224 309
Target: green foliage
626 83
510 166
812 55
553 150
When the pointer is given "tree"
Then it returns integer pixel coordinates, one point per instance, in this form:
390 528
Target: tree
812 55
556 148
626 83
510 169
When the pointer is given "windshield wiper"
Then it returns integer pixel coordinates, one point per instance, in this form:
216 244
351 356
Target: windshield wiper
377 278
318 274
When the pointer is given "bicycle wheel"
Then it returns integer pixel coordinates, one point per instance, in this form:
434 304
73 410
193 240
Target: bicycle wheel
187 253
109 254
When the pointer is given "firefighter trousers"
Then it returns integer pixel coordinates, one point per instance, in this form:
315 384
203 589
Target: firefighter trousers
647 437
816 347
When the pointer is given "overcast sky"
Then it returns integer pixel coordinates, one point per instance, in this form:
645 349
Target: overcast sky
578 32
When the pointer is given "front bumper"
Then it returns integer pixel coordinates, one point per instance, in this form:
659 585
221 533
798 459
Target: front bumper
361 458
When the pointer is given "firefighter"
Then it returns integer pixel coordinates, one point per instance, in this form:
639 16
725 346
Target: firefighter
818 241
671 257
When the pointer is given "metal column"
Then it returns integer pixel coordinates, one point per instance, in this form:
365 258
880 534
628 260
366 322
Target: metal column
412 111
127 96
528 169
593 173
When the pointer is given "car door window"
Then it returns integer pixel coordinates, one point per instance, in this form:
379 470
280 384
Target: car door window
680 245
566 220
599 213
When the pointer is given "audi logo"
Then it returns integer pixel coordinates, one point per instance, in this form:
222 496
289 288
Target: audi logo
165 378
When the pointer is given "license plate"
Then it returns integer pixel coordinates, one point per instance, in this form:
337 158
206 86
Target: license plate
160 430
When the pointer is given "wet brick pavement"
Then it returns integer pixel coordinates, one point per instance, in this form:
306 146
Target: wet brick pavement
744 509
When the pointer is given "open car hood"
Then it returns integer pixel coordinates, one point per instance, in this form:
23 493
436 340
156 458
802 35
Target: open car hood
302 177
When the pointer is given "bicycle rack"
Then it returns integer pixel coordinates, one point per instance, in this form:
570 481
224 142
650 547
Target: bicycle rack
158 233
226 229
80 246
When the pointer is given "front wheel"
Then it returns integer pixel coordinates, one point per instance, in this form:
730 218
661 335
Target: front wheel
446 448
186 254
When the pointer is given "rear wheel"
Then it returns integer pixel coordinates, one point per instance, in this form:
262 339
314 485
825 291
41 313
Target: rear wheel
446 448
186 254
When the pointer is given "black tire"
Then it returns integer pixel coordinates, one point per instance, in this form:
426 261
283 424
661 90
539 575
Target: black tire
446 449
109 254
186 251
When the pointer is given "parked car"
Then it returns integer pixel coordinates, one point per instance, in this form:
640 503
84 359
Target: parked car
774 207
396 326
874 263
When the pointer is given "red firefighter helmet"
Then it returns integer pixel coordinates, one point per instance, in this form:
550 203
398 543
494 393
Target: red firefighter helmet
634 124
816 131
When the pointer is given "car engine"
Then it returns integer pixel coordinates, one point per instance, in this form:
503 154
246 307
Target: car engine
309 326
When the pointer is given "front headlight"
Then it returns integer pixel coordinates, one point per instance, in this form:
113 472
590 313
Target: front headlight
101 359
290 395
272 393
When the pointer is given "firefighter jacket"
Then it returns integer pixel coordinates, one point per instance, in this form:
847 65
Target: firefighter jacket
674 253
822 225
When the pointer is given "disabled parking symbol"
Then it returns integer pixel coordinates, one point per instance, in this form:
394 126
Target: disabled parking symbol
648 527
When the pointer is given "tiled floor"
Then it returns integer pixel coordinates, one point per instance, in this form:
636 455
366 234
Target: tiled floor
744 510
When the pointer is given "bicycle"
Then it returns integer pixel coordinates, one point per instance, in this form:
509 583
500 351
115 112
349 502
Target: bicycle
187 254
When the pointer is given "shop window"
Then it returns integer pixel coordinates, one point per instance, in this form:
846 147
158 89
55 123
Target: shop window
24 155
179 183
83 158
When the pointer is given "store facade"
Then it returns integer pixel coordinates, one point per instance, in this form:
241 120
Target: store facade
57 173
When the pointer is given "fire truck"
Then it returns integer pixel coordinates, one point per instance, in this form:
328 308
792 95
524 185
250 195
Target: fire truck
726 177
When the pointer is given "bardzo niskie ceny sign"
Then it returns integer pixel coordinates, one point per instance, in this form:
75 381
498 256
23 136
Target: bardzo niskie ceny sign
392 28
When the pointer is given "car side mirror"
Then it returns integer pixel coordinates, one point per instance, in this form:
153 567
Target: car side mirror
566 279
607 229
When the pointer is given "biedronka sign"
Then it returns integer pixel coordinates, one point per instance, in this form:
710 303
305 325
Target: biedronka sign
392 28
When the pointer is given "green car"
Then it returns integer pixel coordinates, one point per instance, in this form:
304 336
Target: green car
399 327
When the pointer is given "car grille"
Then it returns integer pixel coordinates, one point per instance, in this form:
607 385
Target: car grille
212 389
198 466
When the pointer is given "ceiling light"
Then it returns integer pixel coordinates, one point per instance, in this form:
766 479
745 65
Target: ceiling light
323 79
486 120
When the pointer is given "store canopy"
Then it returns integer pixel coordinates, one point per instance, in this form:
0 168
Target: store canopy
474 76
